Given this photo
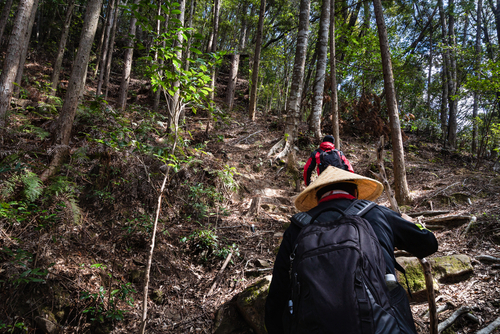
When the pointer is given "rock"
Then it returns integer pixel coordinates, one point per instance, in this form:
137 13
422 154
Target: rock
262 263
451 269
416 278
229 321
251 304
47 326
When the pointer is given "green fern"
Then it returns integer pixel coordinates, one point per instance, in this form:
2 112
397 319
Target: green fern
33 186
60 185
8 187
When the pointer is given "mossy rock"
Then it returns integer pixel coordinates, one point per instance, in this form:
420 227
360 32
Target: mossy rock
451 269
251 303
416 278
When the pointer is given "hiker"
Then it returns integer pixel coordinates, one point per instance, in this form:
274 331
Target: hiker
326 155
310 294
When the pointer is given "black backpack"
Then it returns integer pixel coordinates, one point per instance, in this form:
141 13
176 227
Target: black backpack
330 158
337 276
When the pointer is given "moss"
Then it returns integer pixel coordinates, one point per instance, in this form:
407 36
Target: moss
416 278
253 292
451 268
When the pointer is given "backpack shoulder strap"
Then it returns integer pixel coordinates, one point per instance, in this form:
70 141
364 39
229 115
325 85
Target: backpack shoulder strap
301 219
359 207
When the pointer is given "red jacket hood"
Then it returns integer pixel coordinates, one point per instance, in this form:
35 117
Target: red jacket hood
326 146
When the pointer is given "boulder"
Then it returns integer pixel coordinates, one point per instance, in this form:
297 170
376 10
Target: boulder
416 278
452 268
251 304
445 269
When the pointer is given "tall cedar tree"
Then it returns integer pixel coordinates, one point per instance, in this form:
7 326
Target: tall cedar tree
12 59
76 86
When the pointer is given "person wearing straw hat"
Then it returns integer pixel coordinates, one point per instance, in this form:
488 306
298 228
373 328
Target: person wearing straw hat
337 189
324 156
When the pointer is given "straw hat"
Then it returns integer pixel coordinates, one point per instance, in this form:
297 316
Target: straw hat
369 189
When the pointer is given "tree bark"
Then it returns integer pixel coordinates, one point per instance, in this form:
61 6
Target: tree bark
319 81
213 46
252 106
24 49
12 59
477 63
293 107
333 78
157 94
127 61
233 77
75 87
4 18
176 104
111 48
452 100
402 192
445 67
101 39
105 46
62 46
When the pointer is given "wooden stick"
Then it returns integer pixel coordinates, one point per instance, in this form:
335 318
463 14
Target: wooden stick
218 275
490 328
431 298
448 322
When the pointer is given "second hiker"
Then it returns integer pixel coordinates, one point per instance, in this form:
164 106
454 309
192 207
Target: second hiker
326 155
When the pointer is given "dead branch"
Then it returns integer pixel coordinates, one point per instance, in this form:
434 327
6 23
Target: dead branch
237 142
448 322
490 328
488 258
219 274
276 147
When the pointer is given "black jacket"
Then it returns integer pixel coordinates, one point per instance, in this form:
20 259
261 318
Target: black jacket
391 229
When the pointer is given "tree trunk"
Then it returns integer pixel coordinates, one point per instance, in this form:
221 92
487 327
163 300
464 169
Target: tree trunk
293 108
429 74
252 106
476 70
105 46
233 77
12 59
319 81
101 40
75 87
176 104
4 18
192 10
62 46
24 49
127 61
452 100
157 94
445 66
400 184
333 77
213 46
111 48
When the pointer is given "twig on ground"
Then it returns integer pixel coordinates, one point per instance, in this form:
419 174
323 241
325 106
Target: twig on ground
448 322
218 275
234 143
